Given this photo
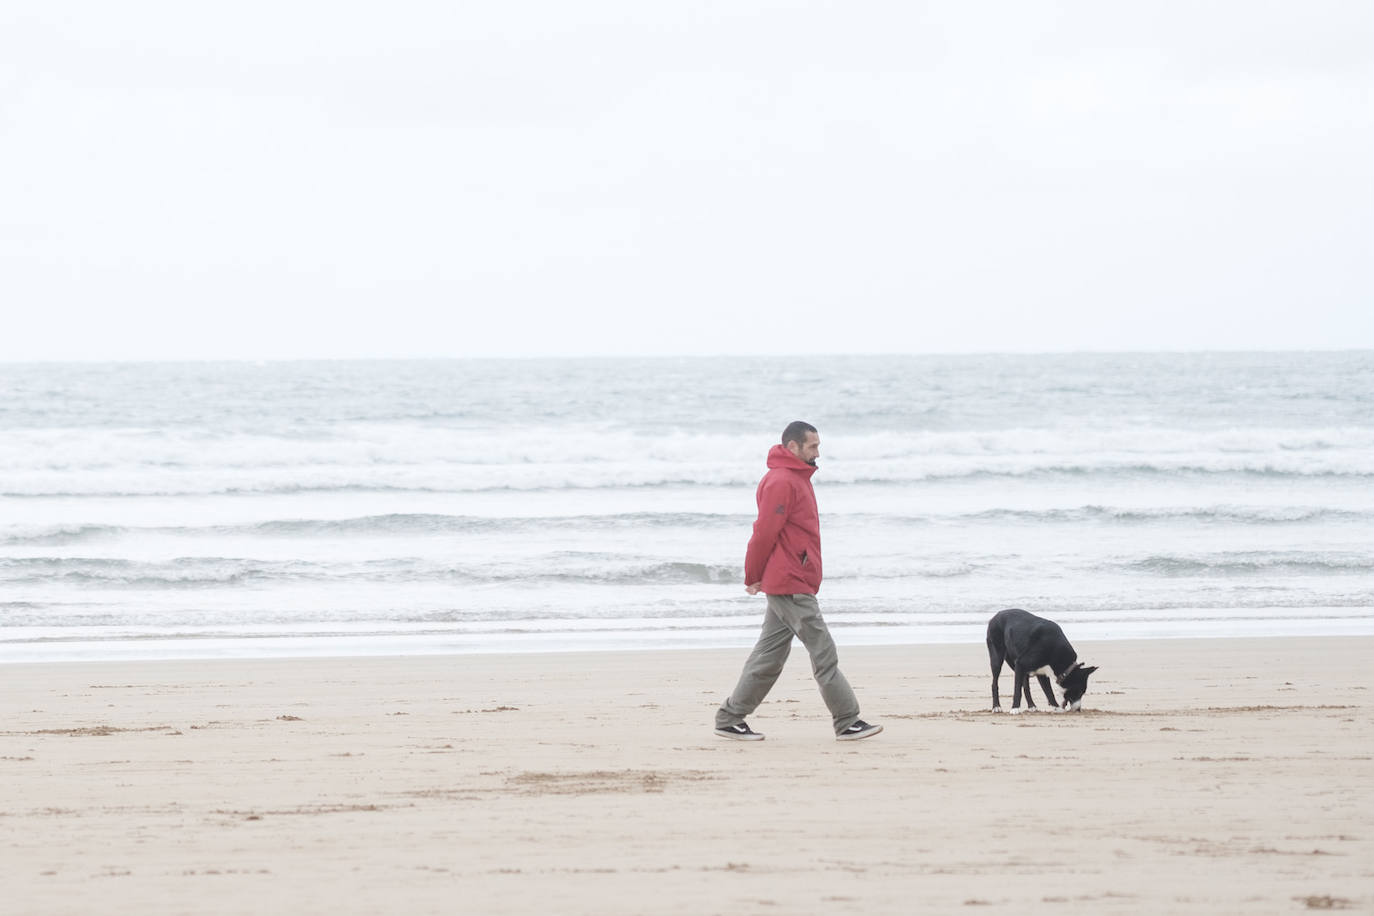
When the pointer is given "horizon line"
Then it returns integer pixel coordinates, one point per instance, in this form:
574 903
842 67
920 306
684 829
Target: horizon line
534 357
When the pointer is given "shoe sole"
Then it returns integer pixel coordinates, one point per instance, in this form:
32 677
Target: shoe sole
735 736
867 733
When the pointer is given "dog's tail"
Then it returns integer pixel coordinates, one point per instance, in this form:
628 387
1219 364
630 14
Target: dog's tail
997 652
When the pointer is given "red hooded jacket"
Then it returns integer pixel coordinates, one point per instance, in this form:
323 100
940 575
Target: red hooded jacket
784 552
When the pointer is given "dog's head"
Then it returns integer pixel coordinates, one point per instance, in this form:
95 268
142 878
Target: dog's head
1075 684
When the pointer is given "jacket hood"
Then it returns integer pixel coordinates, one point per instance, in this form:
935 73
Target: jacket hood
780 457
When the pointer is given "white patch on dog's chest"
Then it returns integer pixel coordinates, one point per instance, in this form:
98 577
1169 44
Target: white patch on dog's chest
1043 671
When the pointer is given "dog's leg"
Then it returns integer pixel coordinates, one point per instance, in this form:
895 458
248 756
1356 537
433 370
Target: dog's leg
1021 688
996 658
1049 691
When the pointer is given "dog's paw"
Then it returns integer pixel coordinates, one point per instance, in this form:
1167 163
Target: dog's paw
1015 710
996 709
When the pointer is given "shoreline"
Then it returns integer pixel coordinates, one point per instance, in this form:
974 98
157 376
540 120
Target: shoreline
220 647
1202 776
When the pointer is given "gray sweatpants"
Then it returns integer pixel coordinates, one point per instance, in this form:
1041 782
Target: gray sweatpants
788 616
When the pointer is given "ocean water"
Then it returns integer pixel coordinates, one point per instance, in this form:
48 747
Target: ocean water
395 507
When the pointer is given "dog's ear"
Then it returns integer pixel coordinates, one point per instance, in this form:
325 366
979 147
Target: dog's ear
1088 671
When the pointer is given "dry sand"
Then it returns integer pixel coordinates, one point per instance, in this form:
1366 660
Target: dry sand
1202 776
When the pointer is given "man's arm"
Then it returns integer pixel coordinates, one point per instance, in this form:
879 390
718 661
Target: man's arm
775 502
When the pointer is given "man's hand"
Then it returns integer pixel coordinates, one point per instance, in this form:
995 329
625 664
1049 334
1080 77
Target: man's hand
753 589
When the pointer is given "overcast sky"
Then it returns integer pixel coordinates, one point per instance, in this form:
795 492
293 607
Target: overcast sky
581 177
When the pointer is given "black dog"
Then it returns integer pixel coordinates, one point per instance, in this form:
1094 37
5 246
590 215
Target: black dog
1034 645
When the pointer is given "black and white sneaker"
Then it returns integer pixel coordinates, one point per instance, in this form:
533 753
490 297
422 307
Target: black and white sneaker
740 732
859 729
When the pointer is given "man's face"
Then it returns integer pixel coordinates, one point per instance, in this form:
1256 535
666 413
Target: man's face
808 450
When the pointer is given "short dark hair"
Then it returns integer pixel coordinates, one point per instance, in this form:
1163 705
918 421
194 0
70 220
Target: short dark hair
796 432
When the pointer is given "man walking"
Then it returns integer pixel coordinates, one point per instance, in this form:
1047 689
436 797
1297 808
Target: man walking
784 562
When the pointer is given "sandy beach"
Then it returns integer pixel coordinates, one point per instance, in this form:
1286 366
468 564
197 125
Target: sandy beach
1202 776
